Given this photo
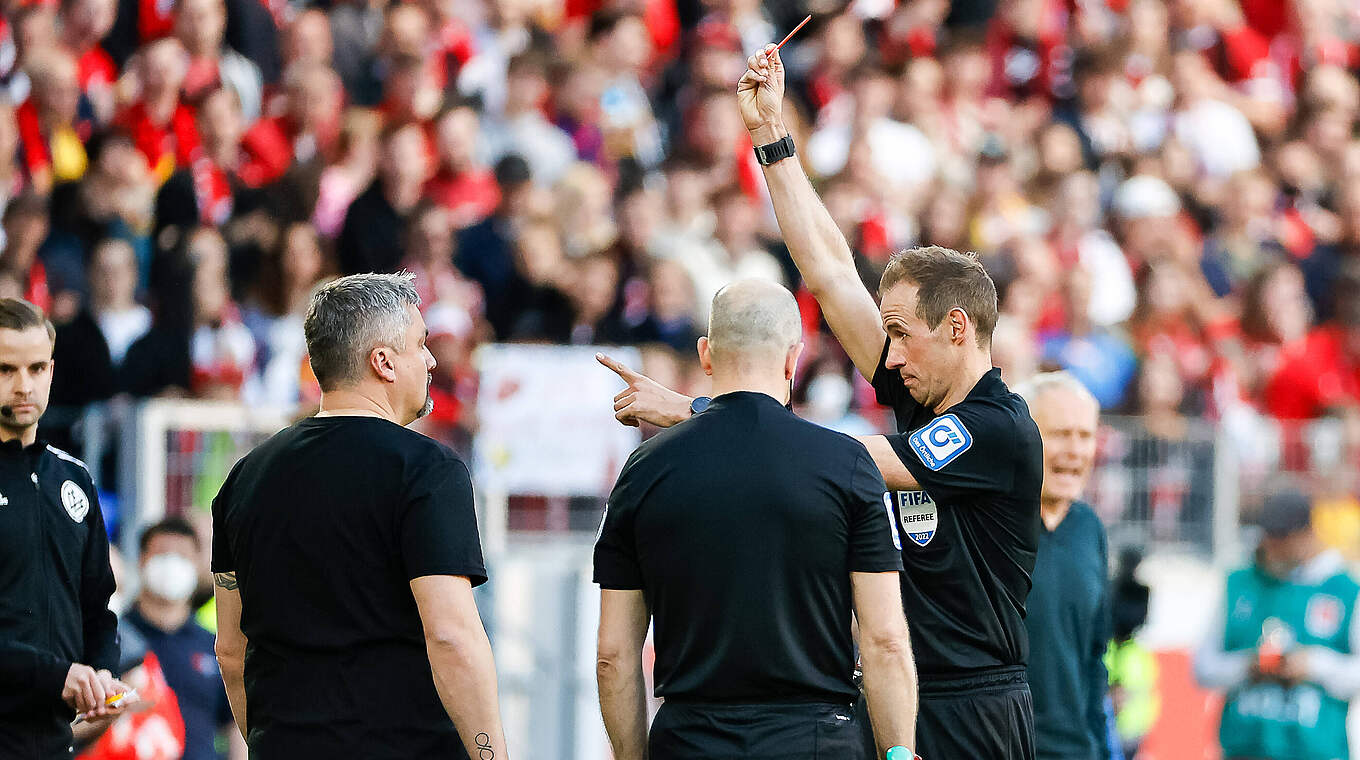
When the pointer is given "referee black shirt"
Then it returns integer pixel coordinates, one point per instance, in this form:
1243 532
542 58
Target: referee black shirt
970 536
325 525
55 583
741 527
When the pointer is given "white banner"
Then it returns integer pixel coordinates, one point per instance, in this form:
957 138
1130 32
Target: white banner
546 420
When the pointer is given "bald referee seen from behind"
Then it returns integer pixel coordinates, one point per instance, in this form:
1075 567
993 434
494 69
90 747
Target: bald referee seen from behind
748 533
345 551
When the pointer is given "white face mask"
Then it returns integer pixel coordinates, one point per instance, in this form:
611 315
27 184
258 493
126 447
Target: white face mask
172 577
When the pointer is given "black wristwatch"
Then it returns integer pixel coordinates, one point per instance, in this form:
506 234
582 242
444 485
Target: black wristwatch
699 404
776 151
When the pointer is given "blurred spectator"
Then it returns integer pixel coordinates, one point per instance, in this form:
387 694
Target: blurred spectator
113 297
462 184
93 344
1166 323
1172 490
26 226
168 569
1099 357
900 152
619 45
308 38
1132 666
1247 235
1218 135
84 23
1322 269
671 314
200 26
51 127
1077 237
735 252
354 168
1320 370
1283 647
198 344
306 131
523 128
161 126
116 198
1097 113
828 399
375 220
583 211
295 266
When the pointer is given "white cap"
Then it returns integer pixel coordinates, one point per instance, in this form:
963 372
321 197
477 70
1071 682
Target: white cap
1145 197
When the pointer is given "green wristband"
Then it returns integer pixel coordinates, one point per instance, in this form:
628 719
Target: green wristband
899 753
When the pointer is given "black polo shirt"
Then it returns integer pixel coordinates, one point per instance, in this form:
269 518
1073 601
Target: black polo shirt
325 526
970 535
741 526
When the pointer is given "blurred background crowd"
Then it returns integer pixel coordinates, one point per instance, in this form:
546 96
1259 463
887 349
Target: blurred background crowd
1167 193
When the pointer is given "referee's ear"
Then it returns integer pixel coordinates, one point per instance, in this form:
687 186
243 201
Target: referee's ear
706 355
791 360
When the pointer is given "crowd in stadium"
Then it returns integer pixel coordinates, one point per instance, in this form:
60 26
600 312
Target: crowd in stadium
1167 193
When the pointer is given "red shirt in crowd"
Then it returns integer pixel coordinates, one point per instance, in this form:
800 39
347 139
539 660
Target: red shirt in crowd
165 146
95 68
266 152
1311 376
469 196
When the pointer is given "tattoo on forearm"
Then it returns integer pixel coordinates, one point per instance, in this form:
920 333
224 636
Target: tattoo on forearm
225 580
483 742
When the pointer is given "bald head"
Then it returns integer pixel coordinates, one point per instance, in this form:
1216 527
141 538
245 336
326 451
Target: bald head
753 324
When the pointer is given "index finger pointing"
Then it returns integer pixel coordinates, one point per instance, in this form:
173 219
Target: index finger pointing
616 367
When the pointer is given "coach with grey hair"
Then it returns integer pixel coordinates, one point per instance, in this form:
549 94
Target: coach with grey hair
1068 612
747 535
345 551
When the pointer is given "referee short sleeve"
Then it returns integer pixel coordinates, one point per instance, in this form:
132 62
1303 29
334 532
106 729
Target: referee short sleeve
964 452
616 559
438 529
874 543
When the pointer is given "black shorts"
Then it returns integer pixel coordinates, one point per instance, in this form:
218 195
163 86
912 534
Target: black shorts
987 717
690 731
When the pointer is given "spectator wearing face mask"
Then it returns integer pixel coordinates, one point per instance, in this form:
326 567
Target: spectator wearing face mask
169 571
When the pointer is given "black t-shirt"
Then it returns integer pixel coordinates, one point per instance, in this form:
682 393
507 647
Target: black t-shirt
741 526
325 525
970 535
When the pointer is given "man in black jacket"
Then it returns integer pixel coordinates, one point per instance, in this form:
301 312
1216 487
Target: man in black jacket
58 639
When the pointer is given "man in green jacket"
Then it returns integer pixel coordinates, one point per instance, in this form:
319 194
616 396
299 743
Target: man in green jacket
1286 646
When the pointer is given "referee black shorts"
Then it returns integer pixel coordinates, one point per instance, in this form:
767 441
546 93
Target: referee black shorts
987 716
705 731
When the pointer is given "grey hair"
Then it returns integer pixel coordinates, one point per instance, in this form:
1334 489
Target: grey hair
753 318
1038 385
350 316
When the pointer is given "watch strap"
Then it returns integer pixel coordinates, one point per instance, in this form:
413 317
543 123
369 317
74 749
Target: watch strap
776 151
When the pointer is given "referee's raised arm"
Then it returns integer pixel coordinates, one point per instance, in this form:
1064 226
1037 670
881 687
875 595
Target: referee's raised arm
815 241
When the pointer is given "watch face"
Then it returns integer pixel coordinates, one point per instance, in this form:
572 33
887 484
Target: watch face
699 404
